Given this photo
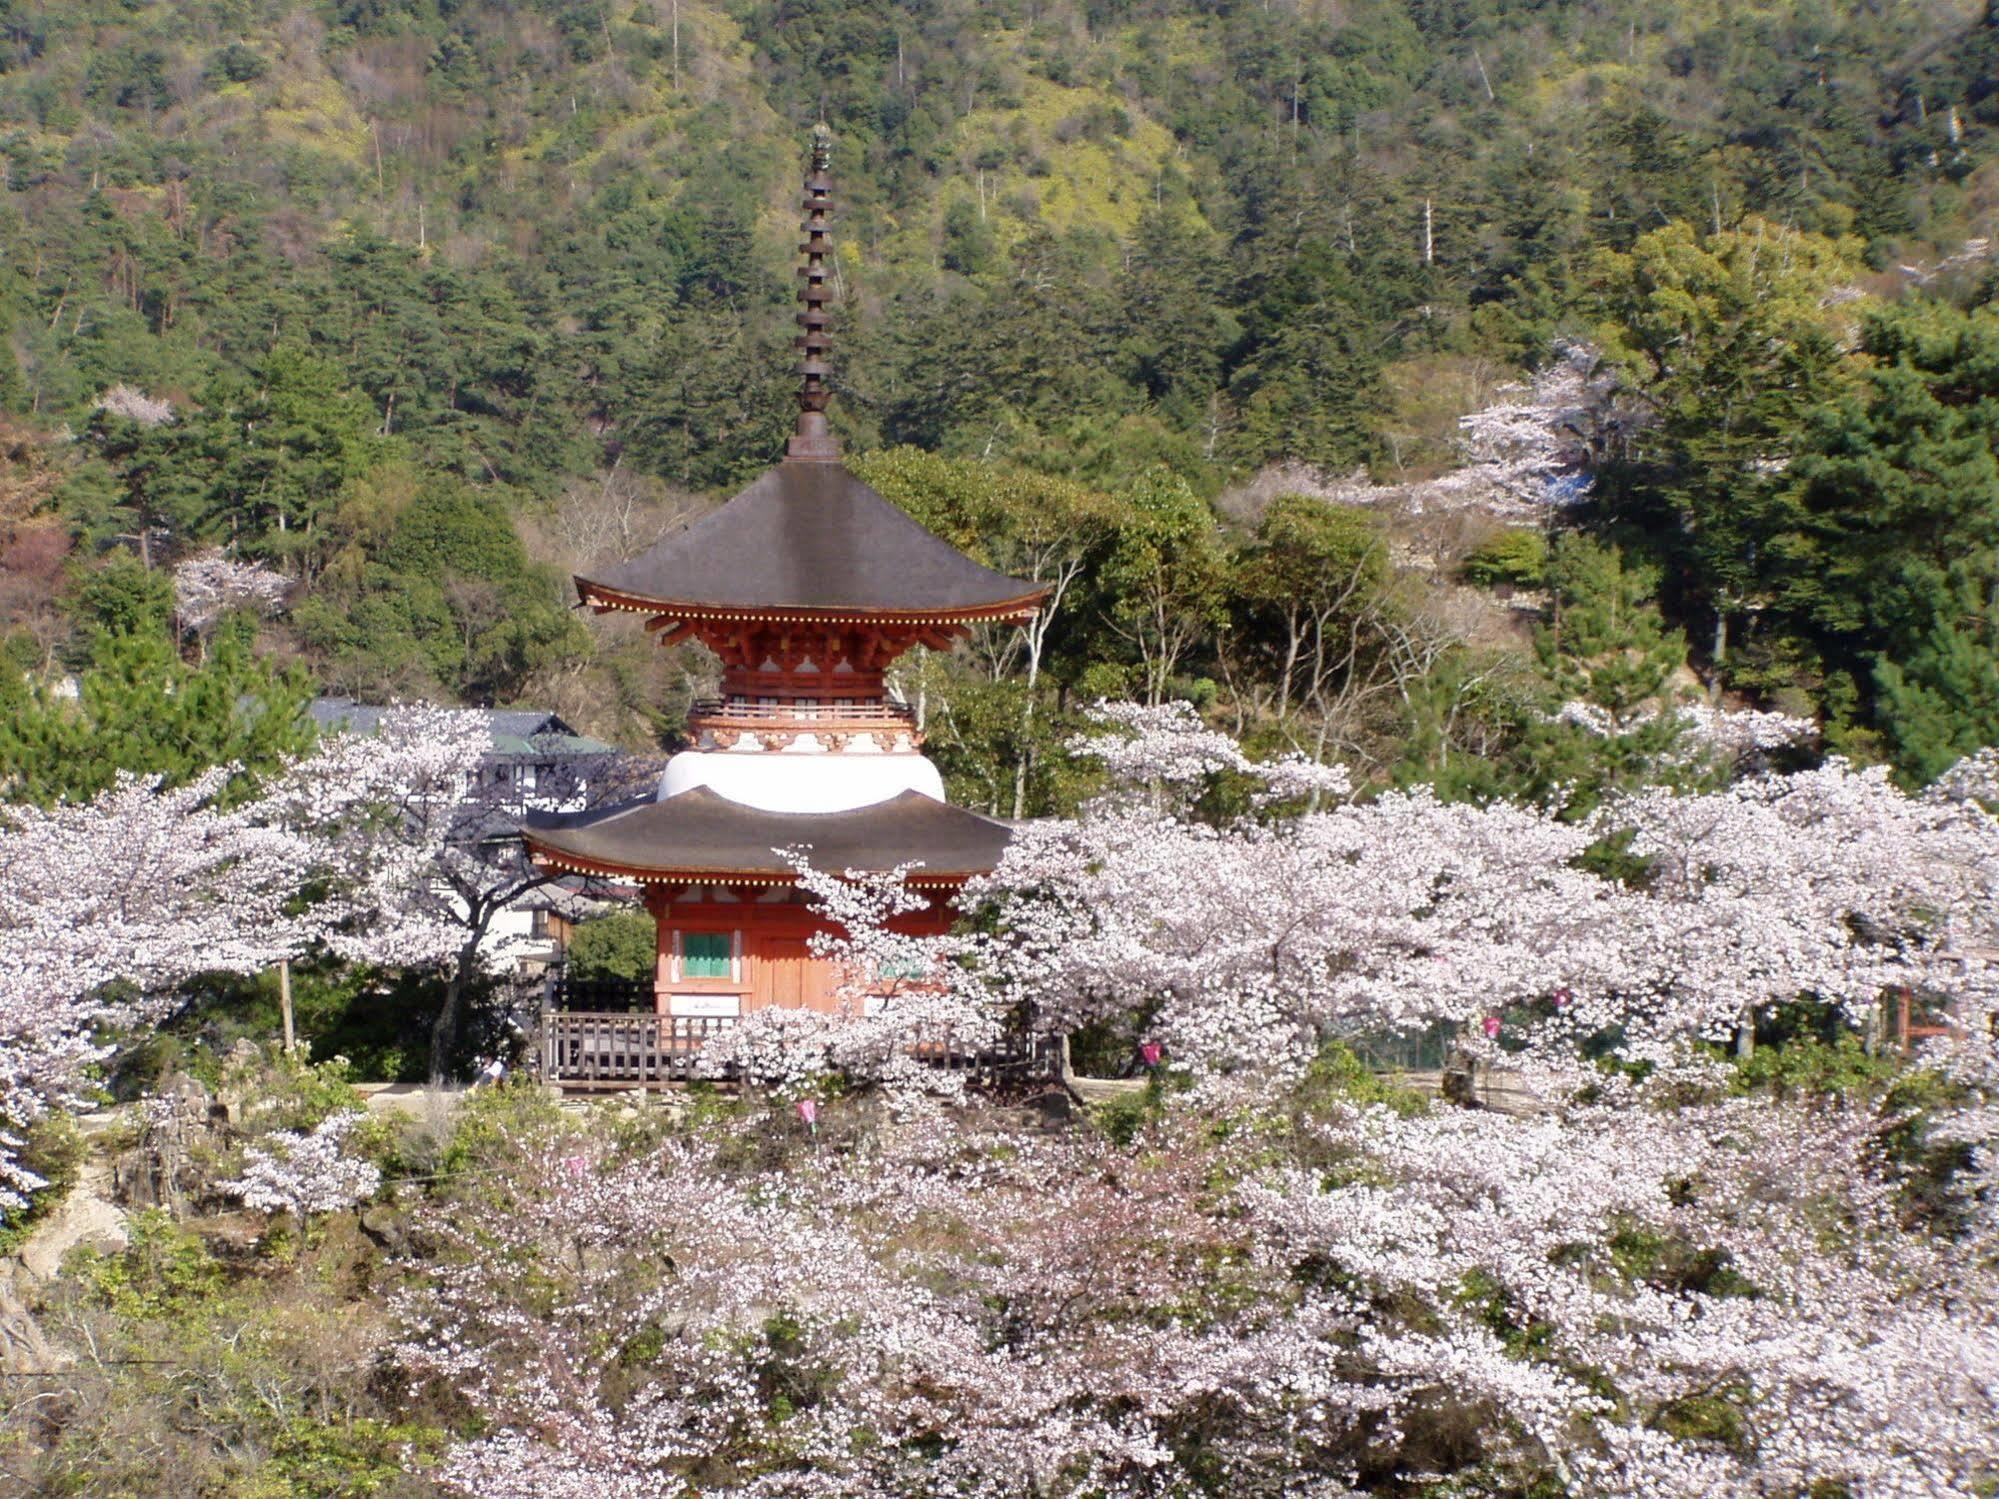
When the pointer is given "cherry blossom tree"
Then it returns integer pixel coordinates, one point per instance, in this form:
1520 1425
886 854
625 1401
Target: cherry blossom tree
1718 1298
106 906
1245 946
1735 738
900 991
1532 450
135 405
1652 1285
300 1174
429 849
211 583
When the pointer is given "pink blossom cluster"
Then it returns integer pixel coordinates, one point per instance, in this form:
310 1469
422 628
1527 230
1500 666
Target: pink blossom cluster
1729 735
304 1173
134 405
211 583
1245 946
1169 746
402 842
899 996
1530 449
107 906
1717 1299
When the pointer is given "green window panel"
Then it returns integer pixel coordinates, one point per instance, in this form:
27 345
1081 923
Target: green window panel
705 955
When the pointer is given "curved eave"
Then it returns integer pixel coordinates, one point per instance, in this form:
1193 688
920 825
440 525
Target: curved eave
607 600
565 862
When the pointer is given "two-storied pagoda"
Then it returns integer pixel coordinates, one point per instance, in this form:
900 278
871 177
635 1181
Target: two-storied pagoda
807 586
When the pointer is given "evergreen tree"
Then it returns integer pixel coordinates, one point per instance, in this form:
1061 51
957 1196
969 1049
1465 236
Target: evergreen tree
139 707
1309 386
1608 650
1896 559
13 389
1729 340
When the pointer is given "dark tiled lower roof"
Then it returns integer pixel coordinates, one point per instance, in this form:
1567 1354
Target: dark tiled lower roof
808 536
700 833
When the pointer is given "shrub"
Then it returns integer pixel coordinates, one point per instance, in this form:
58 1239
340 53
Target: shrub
1518 557
613 947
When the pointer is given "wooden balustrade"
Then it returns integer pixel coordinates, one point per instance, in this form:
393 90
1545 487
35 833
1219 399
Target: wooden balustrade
730 710
779 724
595 1049
603 1050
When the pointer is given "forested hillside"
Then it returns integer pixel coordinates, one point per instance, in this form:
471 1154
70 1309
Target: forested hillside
420 303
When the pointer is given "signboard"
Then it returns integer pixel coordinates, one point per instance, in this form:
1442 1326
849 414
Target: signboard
705 1006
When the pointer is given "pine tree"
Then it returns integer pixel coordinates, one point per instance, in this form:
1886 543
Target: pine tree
1609 649
139 707
13 388
1897 557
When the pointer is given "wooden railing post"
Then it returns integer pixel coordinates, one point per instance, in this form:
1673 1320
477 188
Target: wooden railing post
646 1049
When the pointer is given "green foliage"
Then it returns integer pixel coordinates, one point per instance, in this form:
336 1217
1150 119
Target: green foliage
209 1372
1124 1116
1300 592
431 589
1607 647
1338 1076
1895 558
1311 390
124 597
141 708
1606 643
1809 1065
1733 338
618 946
53 1148
299 1094
488 1123
1163 580
1516 556
379 1020
515 250
164 1269
1670 1263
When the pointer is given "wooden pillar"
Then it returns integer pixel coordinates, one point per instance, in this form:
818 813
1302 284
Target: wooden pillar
659 904
285 1004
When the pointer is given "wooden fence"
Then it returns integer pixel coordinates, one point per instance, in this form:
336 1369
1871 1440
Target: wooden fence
597 1049
619 1050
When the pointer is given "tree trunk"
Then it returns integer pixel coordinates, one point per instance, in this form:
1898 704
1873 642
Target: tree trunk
1020 763
444 1031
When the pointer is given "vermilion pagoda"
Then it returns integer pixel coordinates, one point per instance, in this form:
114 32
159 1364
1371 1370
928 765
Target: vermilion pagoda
807 585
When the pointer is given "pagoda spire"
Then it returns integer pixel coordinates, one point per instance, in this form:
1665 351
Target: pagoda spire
812 440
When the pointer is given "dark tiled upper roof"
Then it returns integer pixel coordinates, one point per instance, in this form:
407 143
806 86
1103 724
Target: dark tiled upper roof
515 731
699 832
809 536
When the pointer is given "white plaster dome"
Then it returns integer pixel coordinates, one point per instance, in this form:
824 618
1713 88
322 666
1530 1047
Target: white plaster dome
801 783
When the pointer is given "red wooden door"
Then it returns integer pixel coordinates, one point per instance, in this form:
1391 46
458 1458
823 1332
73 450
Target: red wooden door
787 964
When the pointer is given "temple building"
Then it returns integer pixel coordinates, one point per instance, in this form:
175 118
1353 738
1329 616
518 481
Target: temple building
807 586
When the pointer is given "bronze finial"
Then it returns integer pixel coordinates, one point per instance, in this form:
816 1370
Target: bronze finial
812 440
